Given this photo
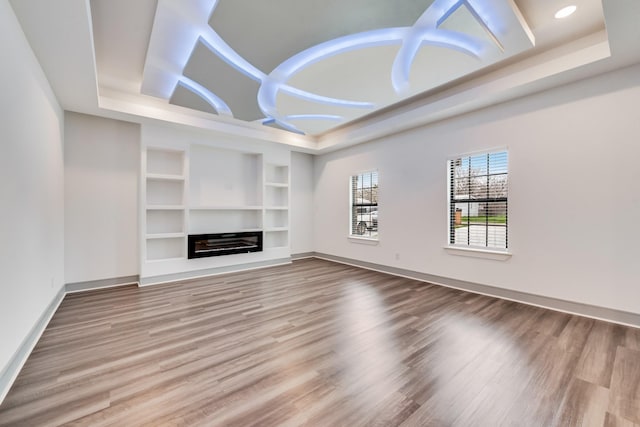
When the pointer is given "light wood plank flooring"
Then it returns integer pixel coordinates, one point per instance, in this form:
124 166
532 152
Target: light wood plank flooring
322 344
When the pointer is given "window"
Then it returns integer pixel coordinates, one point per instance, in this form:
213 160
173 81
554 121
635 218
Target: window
478 201
364 205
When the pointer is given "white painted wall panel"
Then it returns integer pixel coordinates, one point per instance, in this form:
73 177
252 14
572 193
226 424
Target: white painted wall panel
574 195
102 163
31 189
302 209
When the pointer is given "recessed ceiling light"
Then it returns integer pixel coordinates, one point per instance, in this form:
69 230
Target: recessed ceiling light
565 11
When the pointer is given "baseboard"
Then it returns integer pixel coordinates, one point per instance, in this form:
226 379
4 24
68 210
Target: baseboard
101 284
585 310
196 274
303 255
11 371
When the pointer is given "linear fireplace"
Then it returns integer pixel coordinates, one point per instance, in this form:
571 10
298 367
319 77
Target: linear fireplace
206 245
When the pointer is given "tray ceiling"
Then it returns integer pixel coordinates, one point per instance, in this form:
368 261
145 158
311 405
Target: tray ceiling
310 67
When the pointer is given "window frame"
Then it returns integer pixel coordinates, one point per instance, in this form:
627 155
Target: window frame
363 238
491 252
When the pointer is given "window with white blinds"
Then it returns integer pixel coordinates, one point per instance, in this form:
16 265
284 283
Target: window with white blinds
478 201
364 205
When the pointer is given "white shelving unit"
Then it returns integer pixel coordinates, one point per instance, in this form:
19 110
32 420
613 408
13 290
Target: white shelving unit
276 202
199 186
164 201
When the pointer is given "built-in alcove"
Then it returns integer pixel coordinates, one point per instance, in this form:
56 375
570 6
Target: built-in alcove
203 221
165 248
277 174
165 162
163 193
196 186
224 178
276 239
276 196
276 218
165 221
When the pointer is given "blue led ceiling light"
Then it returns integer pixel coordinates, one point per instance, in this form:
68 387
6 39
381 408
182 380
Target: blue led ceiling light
481 14
218 46
218 104
284 121
303 117
425 31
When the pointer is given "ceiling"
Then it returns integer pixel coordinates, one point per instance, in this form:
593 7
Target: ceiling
151 61
312 67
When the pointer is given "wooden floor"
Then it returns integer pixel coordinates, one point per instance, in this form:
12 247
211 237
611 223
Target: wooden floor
322 344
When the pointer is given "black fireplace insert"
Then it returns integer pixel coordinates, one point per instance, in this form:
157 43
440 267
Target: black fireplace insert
205 245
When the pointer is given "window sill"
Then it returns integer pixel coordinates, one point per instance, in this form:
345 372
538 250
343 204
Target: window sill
478 253
363 240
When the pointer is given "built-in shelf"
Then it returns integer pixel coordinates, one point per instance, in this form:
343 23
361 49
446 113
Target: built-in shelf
165 222
233 230
161 161
164 201
165 236
278 174
209 188
276 220
276 196
225 208
165 207
164 177
276 201
166 248
276 239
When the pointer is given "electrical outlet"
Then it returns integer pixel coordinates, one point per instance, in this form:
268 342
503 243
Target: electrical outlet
397 256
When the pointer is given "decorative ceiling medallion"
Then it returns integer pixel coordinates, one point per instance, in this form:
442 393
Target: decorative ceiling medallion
182 25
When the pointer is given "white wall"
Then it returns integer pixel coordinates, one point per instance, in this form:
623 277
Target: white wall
301 203
31 189
102 162
574 194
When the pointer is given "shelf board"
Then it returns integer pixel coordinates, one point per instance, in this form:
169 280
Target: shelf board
271 229
165 236
164 177
225 208
276 184
241 230
277 208
165 207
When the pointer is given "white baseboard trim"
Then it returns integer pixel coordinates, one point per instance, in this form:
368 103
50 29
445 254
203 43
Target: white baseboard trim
580 309
9 374
101 284
303 255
